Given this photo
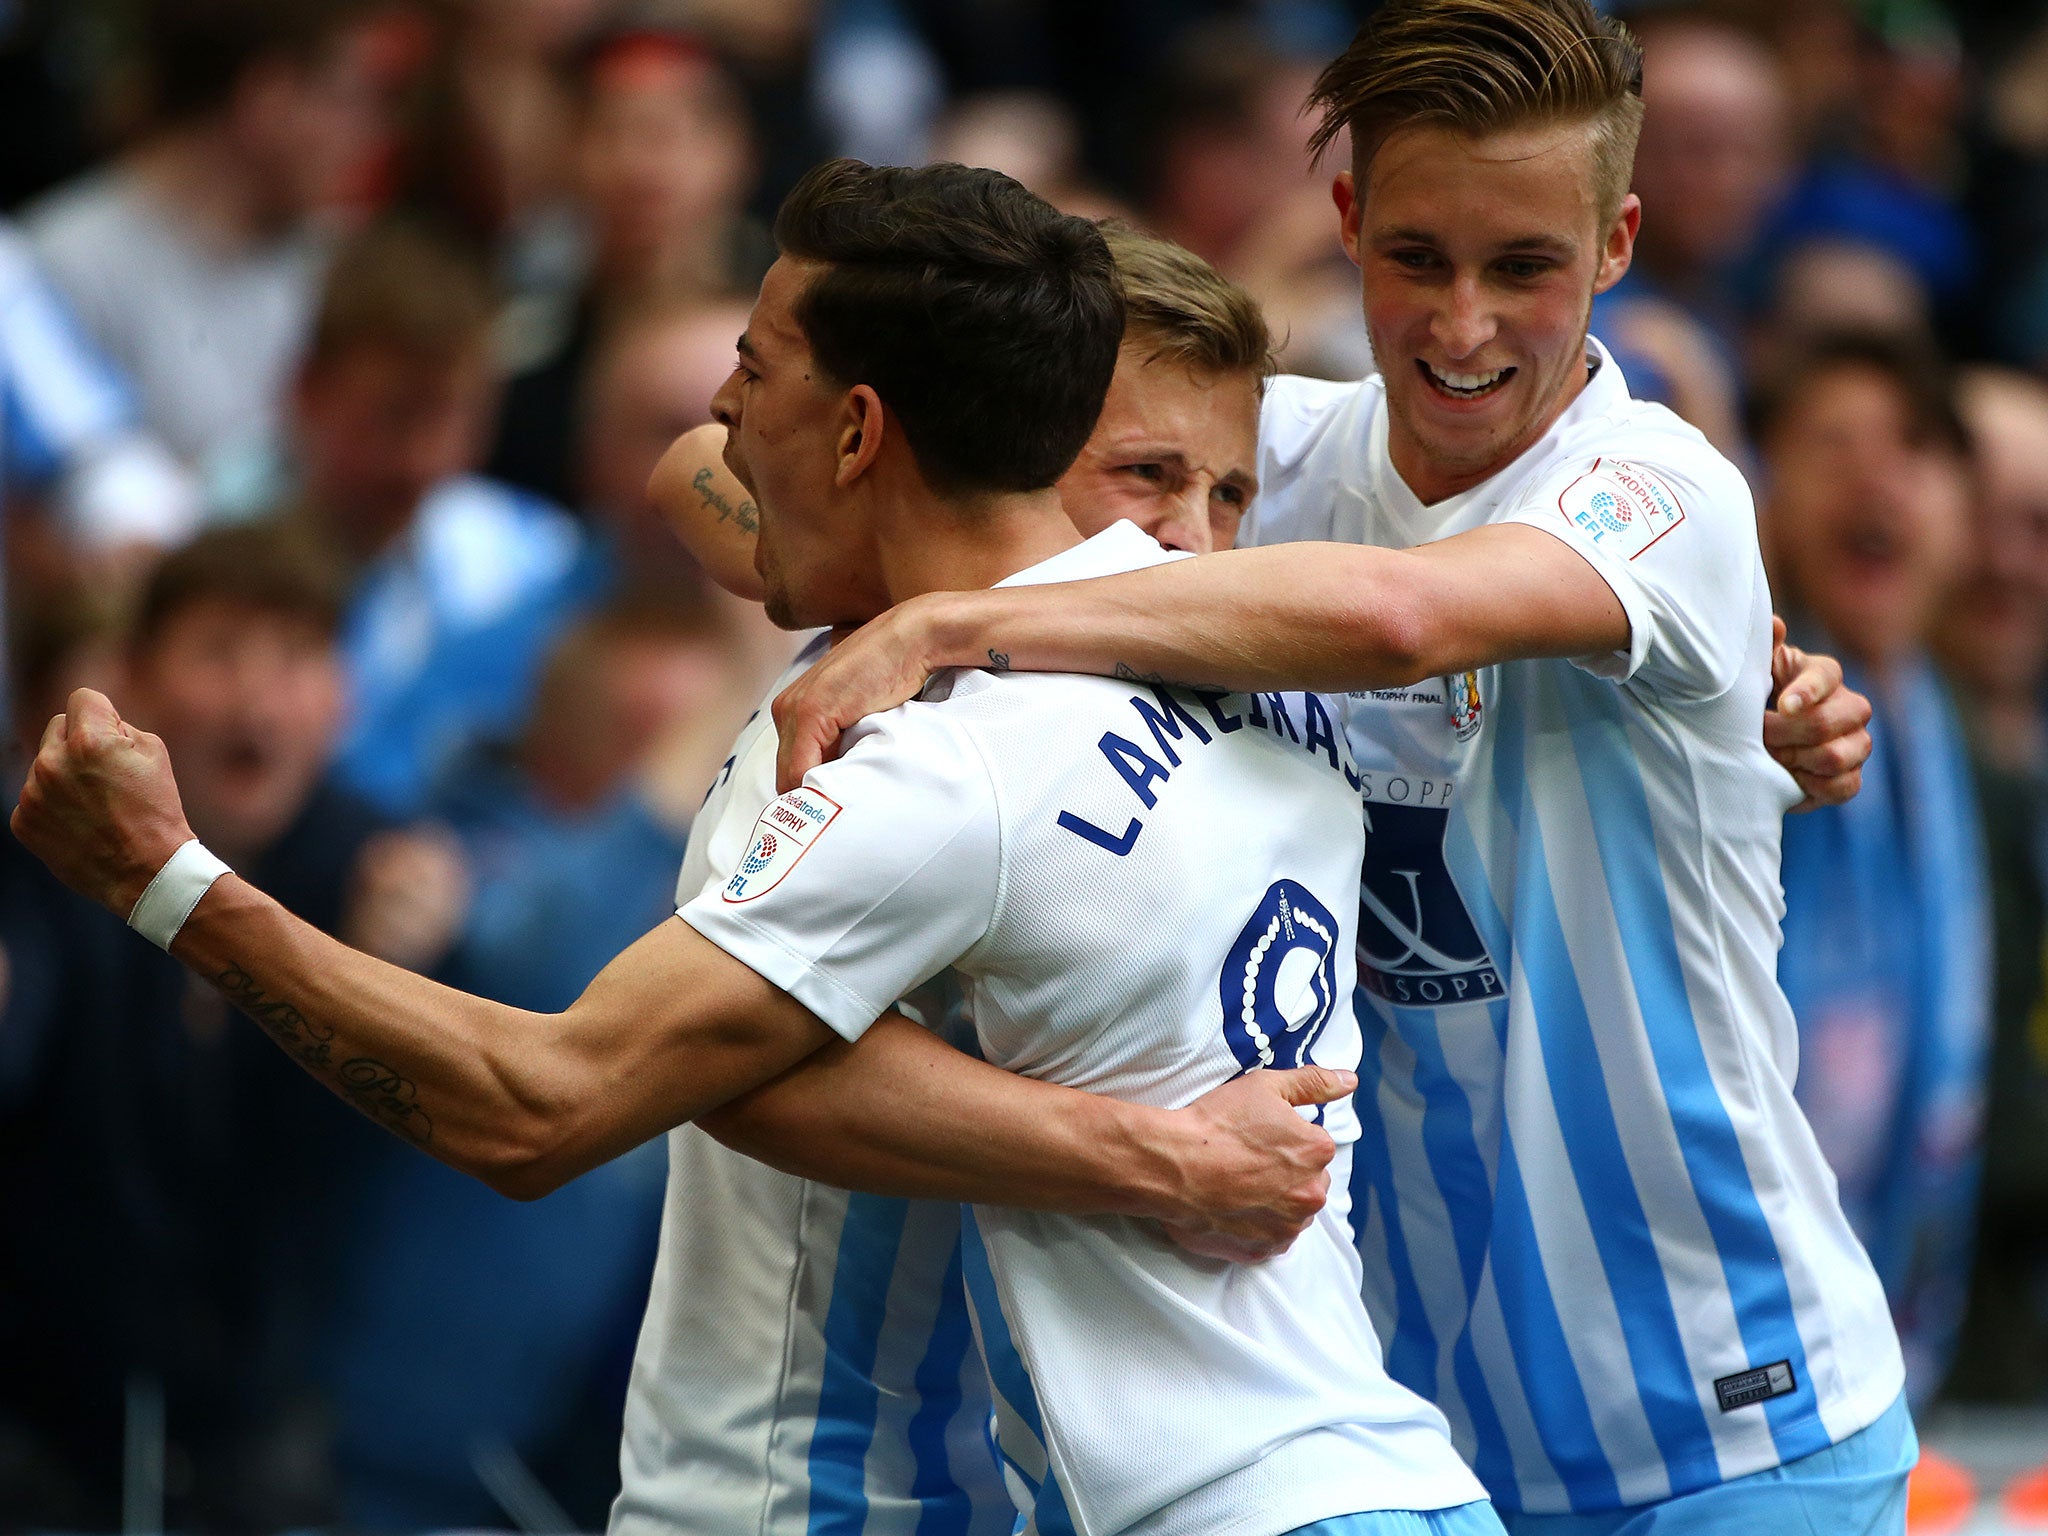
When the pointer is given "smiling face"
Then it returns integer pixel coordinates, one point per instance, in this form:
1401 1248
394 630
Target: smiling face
1173 451
1481 257
785 422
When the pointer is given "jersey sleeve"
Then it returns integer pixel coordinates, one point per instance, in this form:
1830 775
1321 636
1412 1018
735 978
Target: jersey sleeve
1293 503
1673 533
878 872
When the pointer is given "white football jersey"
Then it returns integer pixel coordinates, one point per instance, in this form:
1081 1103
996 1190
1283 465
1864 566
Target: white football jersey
807 1363
1143 893
1596 1227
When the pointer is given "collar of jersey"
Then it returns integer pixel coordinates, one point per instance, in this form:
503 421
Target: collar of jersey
1605 390
1122 546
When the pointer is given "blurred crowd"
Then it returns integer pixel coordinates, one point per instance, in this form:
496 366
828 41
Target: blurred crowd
338 339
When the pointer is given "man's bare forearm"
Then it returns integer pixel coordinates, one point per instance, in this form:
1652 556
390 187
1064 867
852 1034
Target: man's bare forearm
439 1068
521 1100
1321 616
903 1113
1331 618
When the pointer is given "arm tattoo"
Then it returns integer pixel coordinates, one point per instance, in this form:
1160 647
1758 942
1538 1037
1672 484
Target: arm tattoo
378 1090
1126 673
998 661
746 514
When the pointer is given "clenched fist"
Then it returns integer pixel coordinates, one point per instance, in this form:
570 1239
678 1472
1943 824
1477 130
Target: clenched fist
101 807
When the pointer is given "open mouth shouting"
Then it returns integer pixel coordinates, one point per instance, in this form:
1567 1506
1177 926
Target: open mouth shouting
1464 386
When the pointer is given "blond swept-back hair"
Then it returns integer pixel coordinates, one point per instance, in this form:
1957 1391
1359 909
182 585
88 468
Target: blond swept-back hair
1482 66
1178 307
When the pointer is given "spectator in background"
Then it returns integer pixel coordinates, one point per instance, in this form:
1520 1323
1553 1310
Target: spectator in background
1029 136
68 433
1890 187
650 381
84 495
1994 642
664 161
1886 955
1228 176
456 582
178 1315
1712 163
1710 166
489 147
195 258
511 1324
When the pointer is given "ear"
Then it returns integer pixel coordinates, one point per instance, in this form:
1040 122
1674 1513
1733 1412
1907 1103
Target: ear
1620 246
1350 215
860 435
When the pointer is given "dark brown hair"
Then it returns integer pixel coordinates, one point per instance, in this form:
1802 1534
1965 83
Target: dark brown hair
399 284
266 567
1482 66
986 320
195 52
1916 371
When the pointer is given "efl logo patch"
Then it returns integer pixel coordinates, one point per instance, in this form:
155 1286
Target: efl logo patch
1746 1387
1621 507
782 834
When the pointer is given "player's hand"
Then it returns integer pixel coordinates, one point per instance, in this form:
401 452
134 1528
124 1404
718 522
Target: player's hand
408 897
100 806
1819 729
872 668
1256 1172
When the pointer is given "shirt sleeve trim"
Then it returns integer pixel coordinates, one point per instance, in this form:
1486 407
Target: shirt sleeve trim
842 1010
1615 666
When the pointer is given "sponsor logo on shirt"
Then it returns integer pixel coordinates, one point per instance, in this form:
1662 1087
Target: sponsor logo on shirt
783 834
1417 944
1621 507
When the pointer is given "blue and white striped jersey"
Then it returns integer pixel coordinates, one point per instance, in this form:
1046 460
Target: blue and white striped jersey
1597 1230
807 1365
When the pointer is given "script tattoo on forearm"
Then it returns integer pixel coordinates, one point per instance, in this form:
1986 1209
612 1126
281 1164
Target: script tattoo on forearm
377 1089
746 514
999 661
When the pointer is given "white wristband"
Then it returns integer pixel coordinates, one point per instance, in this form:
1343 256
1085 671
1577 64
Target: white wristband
168 899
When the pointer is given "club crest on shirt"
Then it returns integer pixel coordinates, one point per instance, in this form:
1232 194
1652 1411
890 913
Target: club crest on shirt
1622 507
1279 983
783 834
1462 690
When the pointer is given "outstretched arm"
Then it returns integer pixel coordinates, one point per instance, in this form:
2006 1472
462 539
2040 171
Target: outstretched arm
709 510
672 1028
1329 617
669 1031
1321 616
